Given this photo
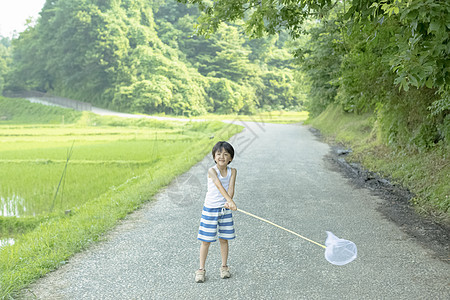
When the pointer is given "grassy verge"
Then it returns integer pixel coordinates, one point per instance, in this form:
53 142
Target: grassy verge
21 111
426 174
278 117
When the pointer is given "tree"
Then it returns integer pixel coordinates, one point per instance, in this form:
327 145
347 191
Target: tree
4 62
260 17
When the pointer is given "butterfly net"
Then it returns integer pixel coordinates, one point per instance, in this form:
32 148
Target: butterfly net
339 251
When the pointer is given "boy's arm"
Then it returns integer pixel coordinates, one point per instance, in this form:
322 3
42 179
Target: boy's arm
232 182
213 175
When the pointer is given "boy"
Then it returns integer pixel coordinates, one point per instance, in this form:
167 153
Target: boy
216 214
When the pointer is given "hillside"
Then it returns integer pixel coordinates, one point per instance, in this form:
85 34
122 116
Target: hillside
21 111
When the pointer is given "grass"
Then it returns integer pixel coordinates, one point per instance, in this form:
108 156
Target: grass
426 174
21 111
33 185
12 226
278 117
117 165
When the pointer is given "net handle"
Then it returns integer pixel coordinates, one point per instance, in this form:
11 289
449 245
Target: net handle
290 231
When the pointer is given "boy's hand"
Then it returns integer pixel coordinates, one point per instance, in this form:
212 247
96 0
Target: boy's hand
231 205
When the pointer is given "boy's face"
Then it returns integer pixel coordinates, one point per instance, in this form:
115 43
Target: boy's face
222 157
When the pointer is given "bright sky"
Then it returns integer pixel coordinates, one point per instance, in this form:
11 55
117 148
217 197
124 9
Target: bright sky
13 14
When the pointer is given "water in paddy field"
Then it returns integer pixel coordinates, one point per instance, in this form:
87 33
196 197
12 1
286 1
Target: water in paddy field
13 206
5 242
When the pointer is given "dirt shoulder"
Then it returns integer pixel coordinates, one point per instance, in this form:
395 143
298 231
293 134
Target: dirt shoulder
396 206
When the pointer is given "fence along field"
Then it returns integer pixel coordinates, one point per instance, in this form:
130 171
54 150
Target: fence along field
48 169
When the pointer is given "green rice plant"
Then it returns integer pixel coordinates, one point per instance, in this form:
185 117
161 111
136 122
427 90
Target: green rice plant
31 165
91 119
119 150
29 188
12 226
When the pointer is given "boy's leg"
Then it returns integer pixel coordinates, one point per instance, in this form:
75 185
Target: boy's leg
204 247
224 251
200 273
224 269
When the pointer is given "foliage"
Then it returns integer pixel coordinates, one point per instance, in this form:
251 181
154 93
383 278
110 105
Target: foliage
261 17
421 48
320 59
242 65
142 56
411 114
5 60
421 41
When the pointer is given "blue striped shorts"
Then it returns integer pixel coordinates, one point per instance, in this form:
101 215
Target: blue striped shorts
213 220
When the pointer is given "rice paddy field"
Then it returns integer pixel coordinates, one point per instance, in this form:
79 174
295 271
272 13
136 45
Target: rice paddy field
66 177
84 162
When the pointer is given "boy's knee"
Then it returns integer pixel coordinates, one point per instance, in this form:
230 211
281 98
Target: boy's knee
206 244
223 241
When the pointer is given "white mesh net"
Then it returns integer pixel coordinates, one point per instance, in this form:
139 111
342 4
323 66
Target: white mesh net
339 251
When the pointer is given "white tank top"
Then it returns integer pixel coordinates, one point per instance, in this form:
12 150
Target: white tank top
214 198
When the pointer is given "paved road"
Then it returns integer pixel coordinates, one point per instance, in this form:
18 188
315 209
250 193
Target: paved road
283 177
107 112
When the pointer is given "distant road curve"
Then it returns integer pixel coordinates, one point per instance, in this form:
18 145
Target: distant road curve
106 112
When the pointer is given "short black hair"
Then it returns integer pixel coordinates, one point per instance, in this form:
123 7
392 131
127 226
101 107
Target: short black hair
223 145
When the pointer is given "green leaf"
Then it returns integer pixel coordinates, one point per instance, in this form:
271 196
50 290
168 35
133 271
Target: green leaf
429 83
413 80
434 27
